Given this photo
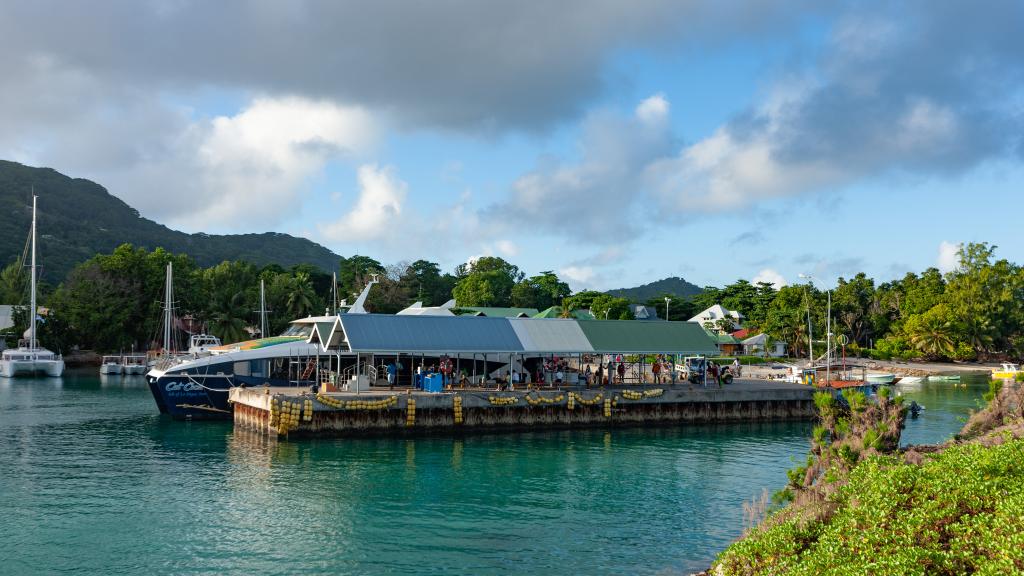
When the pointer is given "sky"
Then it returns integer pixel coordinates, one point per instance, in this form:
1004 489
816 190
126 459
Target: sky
615 143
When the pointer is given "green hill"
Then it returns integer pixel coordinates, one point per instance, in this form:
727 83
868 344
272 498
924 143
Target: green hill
675 286
79 218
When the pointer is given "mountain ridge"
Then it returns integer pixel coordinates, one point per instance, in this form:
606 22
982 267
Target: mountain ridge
79 218
673 285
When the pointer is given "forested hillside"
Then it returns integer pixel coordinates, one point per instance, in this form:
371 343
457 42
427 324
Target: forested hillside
78 219
666 286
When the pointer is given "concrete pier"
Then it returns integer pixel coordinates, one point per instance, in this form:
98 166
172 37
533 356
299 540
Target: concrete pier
299 412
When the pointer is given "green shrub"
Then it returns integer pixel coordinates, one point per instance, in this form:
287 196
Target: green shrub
956 513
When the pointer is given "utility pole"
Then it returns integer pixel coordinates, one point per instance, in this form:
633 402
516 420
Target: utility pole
828 341
666 307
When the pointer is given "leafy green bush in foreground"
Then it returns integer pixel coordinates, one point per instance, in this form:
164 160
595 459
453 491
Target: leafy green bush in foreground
959 512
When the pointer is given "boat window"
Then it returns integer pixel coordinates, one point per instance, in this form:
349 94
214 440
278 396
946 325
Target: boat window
242 368
298 330
256 367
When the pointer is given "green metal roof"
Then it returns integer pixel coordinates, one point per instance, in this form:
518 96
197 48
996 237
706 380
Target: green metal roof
639 336
723 338
556 312
500 312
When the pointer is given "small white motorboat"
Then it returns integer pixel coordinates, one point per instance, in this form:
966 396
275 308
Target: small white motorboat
880 377
134 364
111 365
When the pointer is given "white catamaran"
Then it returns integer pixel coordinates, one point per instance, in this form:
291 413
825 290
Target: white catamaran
29 359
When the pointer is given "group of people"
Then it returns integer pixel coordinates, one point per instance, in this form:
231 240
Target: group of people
552 371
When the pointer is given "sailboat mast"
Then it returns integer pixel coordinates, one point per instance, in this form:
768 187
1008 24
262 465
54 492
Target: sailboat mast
263 310
334 291
168 318
32 309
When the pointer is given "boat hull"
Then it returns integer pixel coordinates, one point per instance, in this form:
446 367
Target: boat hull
110 369
135 370
17 368
185 397
1000 375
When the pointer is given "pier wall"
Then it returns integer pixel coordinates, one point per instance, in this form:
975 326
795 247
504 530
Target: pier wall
305 414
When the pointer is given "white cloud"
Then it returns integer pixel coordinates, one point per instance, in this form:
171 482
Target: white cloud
596 195
653 110
240 172
377 210
770 276
949 257
577 274
507 248
253 164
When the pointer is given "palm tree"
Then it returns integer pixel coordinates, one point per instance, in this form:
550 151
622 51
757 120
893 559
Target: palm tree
300 296
228 320
933 337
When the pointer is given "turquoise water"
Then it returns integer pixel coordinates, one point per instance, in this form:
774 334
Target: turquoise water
93 482
946 407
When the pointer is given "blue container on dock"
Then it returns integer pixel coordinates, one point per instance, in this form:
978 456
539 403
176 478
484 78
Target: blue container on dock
433 383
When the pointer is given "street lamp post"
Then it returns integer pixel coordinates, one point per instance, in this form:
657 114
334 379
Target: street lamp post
666 307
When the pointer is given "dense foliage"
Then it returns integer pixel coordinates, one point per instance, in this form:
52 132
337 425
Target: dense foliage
956 513
974 311
861 507
79 218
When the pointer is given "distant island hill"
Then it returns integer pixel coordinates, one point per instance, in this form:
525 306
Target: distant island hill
82 219
79 219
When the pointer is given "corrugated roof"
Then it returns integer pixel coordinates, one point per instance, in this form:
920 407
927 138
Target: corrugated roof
556 312
550 335
442 334
495 312
613 336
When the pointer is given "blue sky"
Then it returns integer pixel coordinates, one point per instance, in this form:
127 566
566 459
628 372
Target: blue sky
616 144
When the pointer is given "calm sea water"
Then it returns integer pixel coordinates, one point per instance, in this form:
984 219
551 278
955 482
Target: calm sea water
93 482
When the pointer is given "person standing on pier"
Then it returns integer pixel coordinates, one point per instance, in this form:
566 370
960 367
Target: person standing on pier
622 372
392 370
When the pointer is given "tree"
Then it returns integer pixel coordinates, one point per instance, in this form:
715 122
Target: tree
611 308
354 273
488 282
581 300
786 319
13 283
932 333
227 317
707 298
740 296
851 303
300 296
425 283
679 308
540 292
390 294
